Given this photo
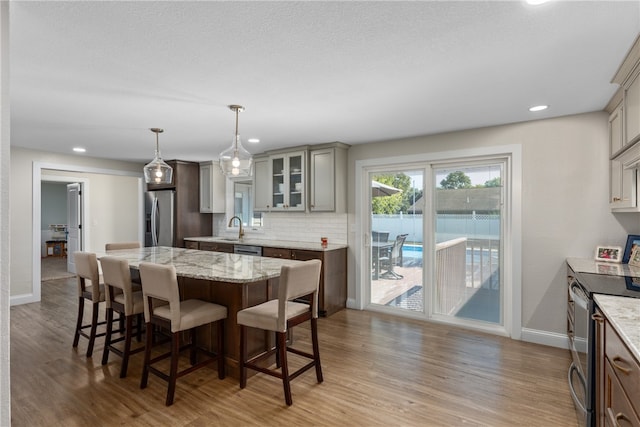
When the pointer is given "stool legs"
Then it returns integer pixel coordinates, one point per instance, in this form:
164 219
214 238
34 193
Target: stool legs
316 349
76 336
94 327
281 338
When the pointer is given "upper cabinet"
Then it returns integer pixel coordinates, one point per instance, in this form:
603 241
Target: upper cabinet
305 179
624 135
287 172
212 188
328 179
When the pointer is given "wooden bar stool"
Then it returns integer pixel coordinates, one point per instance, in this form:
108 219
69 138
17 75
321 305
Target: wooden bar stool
121 298
89 288
159 287
279 316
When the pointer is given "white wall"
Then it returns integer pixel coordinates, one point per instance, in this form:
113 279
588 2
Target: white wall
565 190
113 208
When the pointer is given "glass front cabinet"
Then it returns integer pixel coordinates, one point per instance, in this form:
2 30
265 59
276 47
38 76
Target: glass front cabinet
288 185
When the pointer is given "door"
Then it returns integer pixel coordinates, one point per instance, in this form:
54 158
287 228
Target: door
74 223
468 212
163 218
396 240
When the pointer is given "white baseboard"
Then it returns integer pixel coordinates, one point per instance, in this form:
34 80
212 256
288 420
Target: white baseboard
23 299
552 339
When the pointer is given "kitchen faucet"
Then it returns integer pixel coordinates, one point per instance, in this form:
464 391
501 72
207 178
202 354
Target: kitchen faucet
241 231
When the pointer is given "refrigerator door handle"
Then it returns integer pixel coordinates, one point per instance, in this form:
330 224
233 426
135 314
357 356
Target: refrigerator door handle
154 222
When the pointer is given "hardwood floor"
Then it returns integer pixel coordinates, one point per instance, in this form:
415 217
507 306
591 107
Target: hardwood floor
378 370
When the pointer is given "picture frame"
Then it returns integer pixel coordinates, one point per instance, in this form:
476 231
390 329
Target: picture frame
609 253
633 241
634 259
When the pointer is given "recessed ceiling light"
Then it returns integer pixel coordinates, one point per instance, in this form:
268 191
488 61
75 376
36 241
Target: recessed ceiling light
539 108
253 140
79 149
536 2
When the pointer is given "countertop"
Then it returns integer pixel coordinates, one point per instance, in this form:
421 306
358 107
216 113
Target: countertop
207 265
585 265
624 315
288 244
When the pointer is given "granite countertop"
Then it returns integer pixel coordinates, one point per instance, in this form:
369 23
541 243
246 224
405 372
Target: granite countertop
207 265
288 244
624 315
585 265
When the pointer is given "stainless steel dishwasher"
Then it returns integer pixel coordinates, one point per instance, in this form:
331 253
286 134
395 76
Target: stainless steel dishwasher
247 250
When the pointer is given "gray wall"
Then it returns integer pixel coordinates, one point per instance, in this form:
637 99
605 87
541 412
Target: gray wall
53 204
565 190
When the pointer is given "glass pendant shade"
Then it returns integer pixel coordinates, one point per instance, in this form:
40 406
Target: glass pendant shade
157 171
236 161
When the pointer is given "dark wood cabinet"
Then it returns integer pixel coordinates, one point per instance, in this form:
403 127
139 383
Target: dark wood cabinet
216 247
332 292
189 221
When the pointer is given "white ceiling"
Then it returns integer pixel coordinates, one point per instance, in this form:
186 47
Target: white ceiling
99 74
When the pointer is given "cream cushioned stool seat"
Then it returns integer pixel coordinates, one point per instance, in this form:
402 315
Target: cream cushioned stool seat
298 281
160 286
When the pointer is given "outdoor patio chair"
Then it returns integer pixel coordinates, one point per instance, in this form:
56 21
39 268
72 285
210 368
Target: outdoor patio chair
393 258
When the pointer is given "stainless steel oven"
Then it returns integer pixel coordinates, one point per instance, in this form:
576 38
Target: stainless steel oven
580 331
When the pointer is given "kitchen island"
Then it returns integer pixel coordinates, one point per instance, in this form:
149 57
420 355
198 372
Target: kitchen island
233 280
332 292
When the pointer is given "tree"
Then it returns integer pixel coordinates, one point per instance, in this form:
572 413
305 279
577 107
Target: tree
495 182
399 202
456 180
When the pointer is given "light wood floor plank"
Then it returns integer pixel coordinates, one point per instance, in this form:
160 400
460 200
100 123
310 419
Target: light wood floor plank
379 370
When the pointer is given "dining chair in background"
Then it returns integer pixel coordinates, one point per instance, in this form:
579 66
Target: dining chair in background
393 258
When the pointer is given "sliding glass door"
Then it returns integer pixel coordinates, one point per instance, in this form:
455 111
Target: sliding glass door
434 241
396 237
468 212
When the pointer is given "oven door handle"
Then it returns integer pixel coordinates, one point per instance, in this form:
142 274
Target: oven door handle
578 295
574 396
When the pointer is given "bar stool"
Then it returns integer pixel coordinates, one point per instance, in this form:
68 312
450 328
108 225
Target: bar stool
87 270
159 287
279 316
135 276
120 298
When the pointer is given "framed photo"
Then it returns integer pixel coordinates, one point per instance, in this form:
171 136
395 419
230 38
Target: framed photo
609 253
634 259
633 241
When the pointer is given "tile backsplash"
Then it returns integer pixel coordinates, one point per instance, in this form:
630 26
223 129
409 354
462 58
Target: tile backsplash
302 227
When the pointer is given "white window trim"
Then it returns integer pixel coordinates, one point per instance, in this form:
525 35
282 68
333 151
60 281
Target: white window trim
513 228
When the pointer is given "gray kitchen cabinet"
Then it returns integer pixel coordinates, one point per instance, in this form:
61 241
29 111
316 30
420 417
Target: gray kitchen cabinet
212 188
327 178
261 189
287 175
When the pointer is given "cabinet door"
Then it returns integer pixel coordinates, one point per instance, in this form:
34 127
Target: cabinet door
616 137
632 108
623 187
287 183
212 188
261 185
322 181
276 252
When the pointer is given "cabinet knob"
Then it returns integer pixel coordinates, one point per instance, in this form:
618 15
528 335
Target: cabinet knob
616 199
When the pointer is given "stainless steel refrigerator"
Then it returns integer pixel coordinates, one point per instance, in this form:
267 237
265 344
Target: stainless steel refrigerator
159 218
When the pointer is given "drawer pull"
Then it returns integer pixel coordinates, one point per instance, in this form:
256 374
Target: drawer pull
615 361
597 317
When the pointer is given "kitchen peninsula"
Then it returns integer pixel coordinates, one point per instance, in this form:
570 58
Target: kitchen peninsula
233 280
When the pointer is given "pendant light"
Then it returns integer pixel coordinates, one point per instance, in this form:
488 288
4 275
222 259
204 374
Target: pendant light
157 171
235 161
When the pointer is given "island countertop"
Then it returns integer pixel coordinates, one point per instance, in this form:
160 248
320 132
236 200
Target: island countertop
270 243
624 315
206 265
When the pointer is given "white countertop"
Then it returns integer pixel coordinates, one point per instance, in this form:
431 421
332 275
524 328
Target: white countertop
288 244
624 315
206 265
586 265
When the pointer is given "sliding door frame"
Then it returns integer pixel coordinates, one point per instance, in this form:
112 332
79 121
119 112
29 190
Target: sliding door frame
512 268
